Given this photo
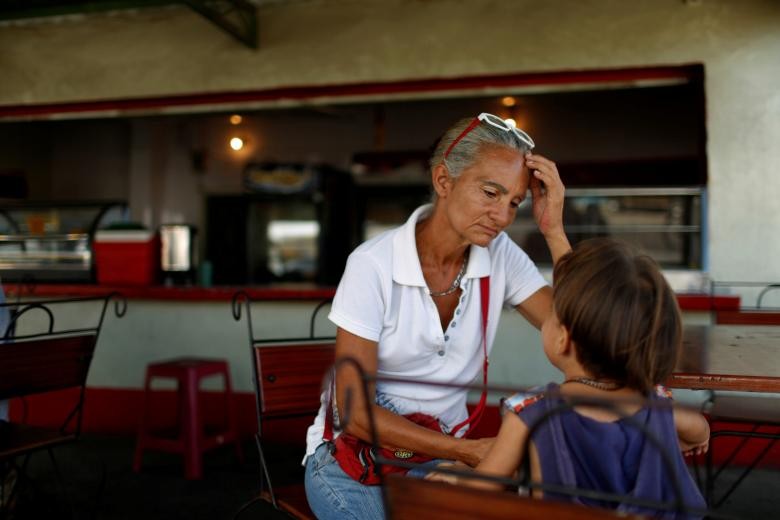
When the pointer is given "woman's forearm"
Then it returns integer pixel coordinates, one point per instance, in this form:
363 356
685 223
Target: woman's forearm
396 432
558 243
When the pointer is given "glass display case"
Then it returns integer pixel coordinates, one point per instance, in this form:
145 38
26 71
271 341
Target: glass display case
666 223
52 242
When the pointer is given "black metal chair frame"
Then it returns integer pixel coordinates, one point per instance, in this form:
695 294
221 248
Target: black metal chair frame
711 472
766 287
523 479
26 347
240 299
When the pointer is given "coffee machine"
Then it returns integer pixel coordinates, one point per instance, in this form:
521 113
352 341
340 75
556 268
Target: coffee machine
178 254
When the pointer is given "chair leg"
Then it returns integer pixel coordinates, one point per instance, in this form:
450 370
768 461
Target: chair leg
745 473
8 477
61 482
20 478
232 423
192 429
140 442
709 479
101 488
697 471
265 476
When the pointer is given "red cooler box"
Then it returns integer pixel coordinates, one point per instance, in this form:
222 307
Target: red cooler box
127 257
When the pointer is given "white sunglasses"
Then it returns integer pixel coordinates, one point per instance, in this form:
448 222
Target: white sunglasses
496 122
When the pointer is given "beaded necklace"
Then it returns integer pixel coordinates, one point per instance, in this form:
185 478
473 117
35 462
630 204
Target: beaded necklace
456 282
595 383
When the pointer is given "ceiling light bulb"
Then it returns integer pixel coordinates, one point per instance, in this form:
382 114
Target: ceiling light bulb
236 119
508 101
236 143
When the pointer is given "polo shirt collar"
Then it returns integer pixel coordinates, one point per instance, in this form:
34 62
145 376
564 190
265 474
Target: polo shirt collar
406 262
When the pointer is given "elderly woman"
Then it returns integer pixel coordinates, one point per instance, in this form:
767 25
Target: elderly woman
409 305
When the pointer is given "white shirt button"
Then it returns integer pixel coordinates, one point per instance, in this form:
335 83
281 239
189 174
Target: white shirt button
441 352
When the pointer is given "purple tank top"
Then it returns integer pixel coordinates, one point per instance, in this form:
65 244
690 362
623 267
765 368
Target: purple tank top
613 457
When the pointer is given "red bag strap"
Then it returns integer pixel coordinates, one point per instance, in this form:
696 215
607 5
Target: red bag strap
327 434
476 415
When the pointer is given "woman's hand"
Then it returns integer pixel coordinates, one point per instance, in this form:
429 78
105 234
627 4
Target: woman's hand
437 476
547 193
474 450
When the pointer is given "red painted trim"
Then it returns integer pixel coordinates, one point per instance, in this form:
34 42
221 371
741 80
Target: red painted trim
171 293
730 317
688 302
706 302
368 89
117 411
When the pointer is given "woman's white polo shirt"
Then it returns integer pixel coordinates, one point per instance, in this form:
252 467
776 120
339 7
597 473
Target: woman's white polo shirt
383 297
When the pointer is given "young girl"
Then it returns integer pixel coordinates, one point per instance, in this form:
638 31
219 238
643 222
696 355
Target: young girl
615 333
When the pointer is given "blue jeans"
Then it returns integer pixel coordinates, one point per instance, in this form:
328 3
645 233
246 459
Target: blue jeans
332 494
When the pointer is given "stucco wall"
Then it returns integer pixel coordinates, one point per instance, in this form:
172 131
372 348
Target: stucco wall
172 51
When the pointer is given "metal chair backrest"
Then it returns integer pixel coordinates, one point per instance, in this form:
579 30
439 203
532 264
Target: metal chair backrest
45 364
289 377
288 372
405 503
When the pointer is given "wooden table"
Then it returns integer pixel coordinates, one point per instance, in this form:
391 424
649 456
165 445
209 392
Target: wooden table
729 357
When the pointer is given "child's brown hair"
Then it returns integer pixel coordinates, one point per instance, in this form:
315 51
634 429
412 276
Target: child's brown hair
620 312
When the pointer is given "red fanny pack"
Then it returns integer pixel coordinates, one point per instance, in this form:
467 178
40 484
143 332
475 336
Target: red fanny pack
357 458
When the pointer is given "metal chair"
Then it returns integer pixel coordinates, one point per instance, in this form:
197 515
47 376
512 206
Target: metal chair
759 414
288 377
37 363
413 498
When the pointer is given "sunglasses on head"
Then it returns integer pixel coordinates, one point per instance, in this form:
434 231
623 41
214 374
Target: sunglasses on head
496 122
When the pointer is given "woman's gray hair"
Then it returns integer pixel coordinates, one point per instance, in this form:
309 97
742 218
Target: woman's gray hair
466 151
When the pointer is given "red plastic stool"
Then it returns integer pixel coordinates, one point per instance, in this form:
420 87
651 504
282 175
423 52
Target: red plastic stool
192 439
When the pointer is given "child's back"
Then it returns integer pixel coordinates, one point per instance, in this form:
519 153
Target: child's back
577 451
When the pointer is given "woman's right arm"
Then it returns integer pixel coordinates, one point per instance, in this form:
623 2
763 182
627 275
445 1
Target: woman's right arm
393 430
